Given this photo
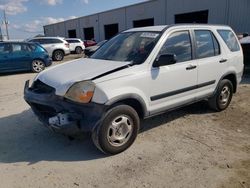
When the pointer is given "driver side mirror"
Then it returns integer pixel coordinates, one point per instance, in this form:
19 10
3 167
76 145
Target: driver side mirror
165 59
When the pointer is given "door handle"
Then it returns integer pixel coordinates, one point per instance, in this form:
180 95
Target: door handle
223 60
191 67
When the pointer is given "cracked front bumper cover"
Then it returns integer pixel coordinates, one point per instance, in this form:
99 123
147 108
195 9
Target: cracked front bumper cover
46 105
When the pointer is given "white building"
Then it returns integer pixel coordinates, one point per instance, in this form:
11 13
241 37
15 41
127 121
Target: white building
104 25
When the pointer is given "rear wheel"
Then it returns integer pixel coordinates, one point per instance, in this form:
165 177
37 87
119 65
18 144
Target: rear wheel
58 55
78 50
37 65
118 130
223 96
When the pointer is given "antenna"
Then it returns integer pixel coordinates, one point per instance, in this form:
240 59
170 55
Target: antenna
6 23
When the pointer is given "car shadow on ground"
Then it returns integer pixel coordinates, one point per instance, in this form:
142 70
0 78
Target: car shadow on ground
24 139
167 117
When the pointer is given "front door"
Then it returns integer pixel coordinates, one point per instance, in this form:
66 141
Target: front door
5 55
175 84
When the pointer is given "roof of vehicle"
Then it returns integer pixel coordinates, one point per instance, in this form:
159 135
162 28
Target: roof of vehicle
161 28
48 38
17 42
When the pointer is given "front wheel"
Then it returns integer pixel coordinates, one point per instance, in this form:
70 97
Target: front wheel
223 96
37 66
118 130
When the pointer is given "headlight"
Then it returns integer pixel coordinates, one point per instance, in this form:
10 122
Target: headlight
81 92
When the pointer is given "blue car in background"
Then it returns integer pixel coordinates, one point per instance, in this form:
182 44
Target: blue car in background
23 56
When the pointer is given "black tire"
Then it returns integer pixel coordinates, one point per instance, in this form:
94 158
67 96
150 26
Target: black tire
78 50
37 65
101 136
58 55
219 102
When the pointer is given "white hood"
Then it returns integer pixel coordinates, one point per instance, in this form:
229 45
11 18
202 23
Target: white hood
61 77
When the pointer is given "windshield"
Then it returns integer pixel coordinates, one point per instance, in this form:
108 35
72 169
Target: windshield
130 46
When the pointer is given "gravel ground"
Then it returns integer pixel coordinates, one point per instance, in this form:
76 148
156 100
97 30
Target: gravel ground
189 147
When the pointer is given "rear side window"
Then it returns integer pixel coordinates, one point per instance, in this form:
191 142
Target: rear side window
229 39
178 43
206 44
73 41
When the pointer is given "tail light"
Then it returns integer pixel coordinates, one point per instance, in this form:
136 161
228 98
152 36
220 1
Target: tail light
67 45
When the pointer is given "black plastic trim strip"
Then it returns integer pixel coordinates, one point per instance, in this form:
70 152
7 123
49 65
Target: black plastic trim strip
165 95
112 71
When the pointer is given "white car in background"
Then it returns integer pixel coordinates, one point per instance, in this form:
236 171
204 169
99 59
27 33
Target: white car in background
76 45
57 47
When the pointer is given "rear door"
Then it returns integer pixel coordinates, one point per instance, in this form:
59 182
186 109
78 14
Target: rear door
174 85
20 56
212 62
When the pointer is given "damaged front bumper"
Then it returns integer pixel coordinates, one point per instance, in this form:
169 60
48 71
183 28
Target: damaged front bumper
60 114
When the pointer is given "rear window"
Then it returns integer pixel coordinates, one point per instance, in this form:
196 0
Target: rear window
50 41
206 44
230 39
73 41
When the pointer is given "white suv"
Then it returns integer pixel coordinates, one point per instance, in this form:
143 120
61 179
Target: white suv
137 74
76 45
57 47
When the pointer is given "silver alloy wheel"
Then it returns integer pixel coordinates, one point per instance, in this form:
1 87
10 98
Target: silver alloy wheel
58 55
38 65
225 95
120 130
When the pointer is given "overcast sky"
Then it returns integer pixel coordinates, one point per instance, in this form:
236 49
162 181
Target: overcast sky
26 17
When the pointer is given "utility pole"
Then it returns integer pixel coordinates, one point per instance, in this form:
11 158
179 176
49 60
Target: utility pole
1 34
6 23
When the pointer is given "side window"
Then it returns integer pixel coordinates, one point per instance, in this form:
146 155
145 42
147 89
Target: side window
16 48
55 41
229 39
32 47
4 48
178 43
26 48
206 44
35 40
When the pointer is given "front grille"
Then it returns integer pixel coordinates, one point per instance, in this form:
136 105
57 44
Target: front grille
45 111
40 87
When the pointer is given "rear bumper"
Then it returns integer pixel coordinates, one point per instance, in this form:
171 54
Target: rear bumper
76 117
66 51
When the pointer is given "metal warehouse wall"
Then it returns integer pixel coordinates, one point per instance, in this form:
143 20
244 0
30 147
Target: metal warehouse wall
217 9
235 13
89 21
239 15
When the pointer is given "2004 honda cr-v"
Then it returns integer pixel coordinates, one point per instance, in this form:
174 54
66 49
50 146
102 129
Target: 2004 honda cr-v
137 74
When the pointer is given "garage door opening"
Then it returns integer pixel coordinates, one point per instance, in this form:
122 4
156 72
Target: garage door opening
72 33
192 17
89 33
111 30
144 23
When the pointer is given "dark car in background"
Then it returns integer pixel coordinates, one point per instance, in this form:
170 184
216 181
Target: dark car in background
92 49
245 43
23 56
88 43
